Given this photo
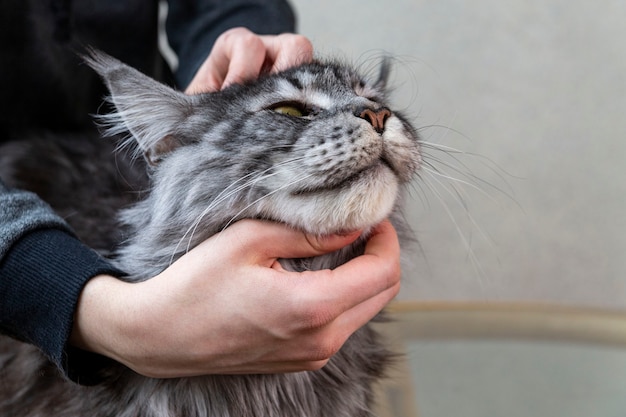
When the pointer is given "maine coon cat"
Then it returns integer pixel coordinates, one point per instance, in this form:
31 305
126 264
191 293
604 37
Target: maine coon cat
316 147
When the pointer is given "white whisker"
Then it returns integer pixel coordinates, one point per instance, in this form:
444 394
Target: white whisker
466 243
435 172
282 187
250 180
235 217
461 169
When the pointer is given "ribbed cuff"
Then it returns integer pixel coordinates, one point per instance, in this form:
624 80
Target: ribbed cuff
41 278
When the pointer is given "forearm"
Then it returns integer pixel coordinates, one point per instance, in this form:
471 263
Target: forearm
193 26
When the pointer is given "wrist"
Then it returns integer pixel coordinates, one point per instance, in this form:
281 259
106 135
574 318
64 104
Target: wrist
99 318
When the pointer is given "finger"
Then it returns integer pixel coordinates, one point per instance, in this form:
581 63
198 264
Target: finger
381 258
268 241
362 278
210 75
238 55
286 50
353 319
247 56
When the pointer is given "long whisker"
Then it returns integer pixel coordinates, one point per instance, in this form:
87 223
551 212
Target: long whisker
466 243
435 172
460 168
282 187
247 181
236 216
487 162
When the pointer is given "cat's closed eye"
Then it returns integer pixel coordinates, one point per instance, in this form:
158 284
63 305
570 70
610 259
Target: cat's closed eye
291 108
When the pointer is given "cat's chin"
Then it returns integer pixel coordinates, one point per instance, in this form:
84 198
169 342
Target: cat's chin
358 205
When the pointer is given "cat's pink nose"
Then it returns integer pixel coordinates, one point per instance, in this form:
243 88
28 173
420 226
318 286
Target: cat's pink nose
377 118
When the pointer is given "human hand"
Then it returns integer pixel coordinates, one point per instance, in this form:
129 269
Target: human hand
228 307
239 55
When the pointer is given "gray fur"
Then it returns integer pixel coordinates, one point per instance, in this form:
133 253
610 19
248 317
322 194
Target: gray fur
214 159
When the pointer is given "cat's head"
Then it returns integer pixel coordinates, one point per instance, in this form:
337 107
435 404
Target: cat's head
315 146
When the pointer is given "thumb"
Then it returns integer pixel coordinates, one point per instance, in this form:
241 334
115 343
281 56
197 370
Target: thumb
275 240
321 244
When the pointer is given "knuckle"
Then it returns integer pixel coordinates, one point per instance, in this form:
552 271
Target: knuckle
235 32
321 340
305 45
315 317
312 313
240 36
327 350
395 272
323 347
391 271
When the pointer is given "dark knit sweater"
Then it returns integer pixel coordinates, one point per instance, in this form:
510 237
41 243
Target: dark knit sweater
43 267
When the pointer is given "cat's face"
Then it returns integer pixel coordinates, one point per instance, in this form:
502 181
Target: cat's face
315 147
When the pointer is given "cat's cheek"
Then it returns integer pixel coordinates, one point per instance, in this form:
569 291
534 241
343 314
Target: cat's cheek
401 150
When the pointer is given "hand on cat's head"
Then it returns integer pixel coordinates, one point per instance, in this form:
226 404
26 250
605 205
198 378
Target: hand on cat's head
240 55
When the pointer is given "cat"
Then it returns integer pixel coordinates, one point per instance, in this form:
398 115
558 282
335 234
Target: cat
316 147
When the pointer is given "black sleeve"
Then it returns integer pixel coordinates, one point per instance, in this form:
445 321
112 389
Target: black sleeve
41 278
193 26
43 268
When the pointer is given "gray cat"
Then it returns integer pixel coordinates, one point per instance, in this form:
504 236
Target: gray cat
315 147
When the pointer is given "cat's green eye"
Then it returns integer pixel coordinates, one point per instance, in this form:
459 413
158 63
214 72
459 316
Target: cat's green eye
291 108
289 111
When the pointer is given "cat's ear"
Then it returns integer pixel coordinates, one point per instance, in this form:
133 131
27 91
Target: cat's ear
149 110
383 74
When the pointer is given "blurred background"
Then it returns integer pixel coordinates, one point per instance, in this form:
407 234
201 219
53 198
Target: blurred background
522 108
533 96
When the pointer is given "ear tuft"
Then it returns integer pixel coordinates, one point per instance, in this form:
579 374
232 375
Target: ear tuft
383 73
149 110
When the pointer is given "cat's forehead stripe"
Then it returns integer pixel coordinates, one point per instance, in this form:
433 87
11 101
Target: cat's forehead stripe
306 78
306 93
295 82
319 99
287 88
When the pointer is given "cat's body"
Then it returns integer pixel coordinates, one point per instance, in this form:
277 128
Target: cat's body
314 147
